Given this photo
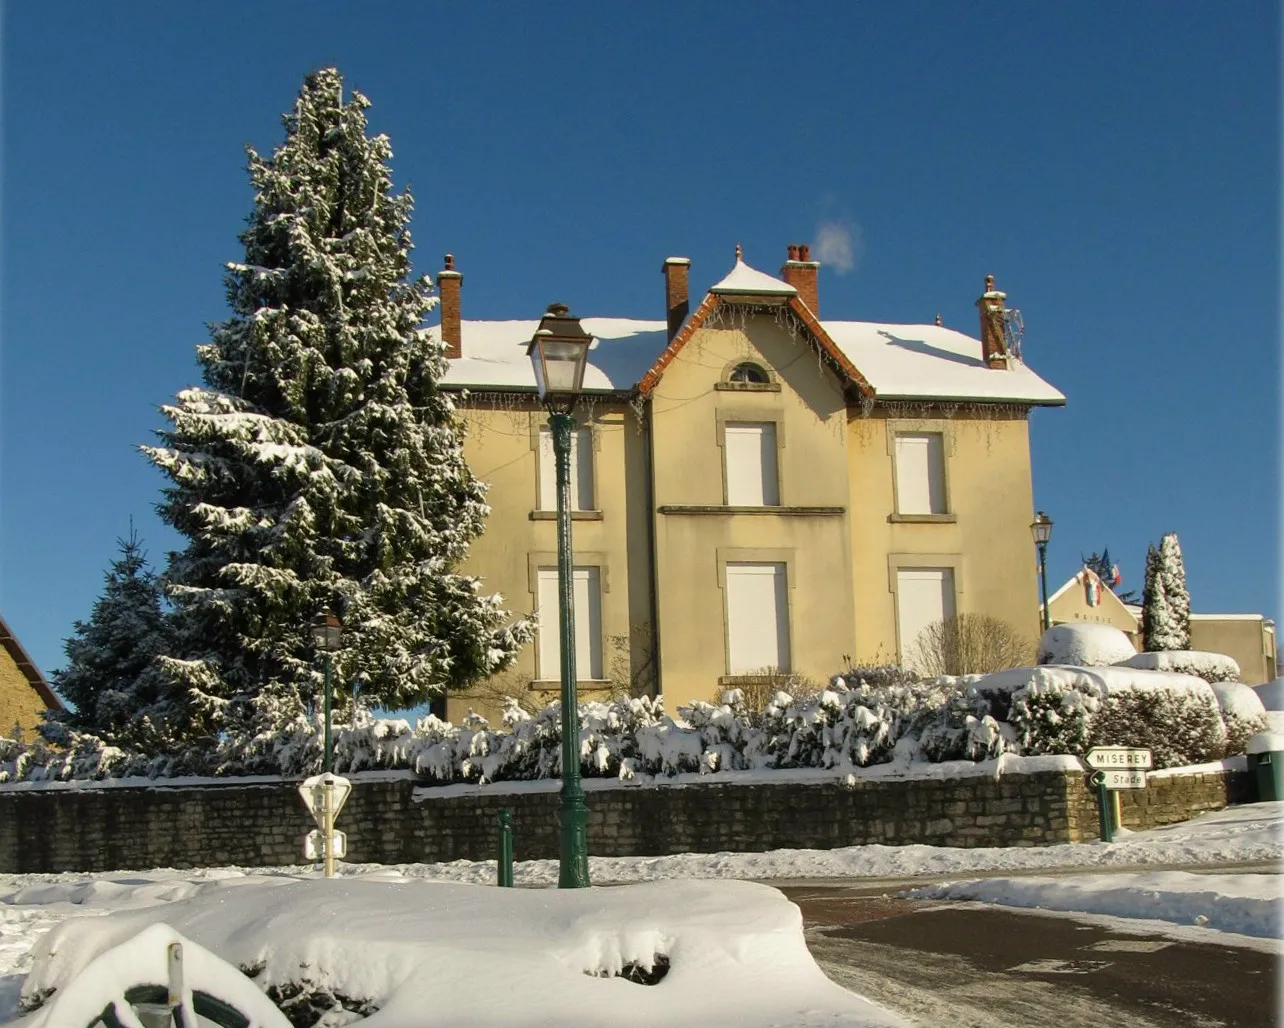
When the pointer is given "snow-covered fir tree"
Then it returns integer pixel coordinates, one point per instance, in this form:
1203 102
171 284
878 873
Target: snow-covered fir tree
107 656
1165 606
320 465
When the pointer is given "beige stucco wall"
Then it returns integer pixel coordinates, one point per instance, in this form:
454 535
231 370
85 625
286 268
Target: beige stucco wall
1071 607
20 704
688 411
1251 641
501 447
985 538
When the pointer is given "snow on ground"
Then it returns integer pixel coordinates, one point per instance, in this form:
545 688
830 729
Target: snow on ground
1245 904
441 953
30 905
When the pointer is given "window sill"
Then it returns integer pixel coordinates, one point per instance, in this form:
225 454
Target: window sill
576 515
922 519
735 680
747 387
695 508
555 685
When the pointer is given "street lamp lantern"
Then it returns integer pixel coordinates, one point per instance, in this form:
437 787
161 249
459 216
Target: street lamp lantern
1041 529
559 352
327 630
327 633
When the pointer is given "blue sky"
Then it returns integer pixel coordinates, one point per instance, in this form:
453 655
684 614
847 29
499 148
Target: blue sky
1115 165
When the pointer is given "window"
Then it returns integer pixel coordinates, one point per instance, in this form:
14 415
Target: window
750 453
749 374
587 590
920 473
757 618
581 470
923 596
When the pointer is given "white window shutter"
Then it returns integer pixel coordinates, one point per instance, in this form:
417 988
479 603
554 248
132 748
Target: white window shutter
920 473
586 588
581 470
757 617
750 453
923 596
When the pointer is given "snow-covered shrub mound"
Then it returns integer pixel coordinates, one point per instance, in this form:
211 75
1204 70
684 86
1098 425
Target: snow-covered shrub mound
1086 645
1242 713
1271 694
1072 709
1211 667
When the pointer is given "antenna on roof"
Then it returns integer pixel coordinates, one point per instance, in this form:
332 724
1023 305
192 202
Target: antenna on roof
1013 331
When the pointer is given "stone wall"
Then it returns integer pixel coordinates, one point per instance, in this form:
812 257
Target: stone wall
392 819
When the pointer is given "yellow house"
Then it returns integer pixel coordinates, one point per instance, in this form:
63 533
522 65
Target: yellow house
24 693
754 487
1248 638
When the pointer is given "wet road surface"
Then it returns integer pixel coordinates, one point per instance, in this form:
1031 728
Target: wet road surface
964 966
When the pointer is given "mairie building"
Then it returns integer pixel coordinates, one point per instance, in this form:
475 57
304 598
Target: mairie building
756 489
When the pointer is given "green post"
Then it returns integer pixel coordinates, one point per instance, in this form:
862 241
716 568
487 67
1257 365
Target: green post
1043 584
1105 807
327 759
573 870
505 849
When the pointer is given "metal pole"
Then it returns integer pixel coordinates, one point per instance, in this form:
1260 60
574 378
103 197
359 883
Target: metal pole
505 876
573 853
1104 806
1043 580
327 759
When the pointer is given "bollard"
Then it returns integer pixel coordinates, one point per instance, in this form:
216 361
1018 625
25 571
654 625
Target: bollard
1105 807
505 849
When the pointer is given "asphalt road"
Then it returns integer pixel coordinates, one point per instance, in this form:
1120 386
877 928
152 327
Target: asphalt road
961 966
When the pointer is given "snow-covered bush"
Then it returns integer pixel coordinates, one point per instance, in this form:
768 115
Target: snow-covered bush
1072 709
1242 713
1211 667
1086 645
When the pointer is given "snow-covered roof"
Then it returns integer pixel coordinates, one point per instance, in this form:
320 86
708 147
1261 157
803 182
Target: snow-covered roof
934 362
494 353
899 361
743 279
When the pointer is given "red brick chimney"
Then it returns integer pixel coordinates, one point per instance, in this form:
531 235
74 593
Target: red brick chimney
994 347
677 292
800 272
448 282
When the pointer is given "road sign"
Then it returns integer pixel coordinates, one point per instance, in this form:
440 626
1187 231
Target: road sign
1120 778
1103 758
313 850
313 792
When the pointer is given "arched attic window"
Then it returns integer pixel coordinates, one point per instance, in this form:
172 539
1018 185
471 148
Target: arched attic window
749 373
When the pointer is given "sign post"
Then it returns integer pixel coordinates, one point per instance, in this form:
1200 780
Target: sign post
324 795
1115 768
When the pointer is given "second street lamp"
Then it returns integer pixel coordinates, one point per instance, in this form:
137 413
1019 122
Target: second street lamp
559 353
1041 529
327 633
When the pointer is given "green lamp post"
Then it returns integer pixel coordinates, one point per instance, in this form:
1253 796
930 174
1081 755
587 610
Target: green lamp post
1041 529
559 353
327 632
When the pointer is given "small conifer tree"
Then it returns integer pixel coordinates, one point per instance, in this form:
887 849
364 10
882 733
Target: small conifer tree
105 678
1165 608
320 465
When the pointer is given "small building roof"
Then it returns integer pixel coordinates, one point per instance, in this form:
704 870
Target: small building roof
28 667
746 281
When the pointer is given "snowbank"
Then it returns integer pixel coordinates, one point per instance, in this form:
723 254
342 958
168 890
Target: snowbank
1246 904
1086 645
1211 667
1271 694
428 952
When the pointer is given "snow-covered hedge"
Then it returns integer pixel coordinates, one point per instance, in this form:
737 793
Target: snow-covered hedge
1085 645
1211 667
852 723
1242 713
